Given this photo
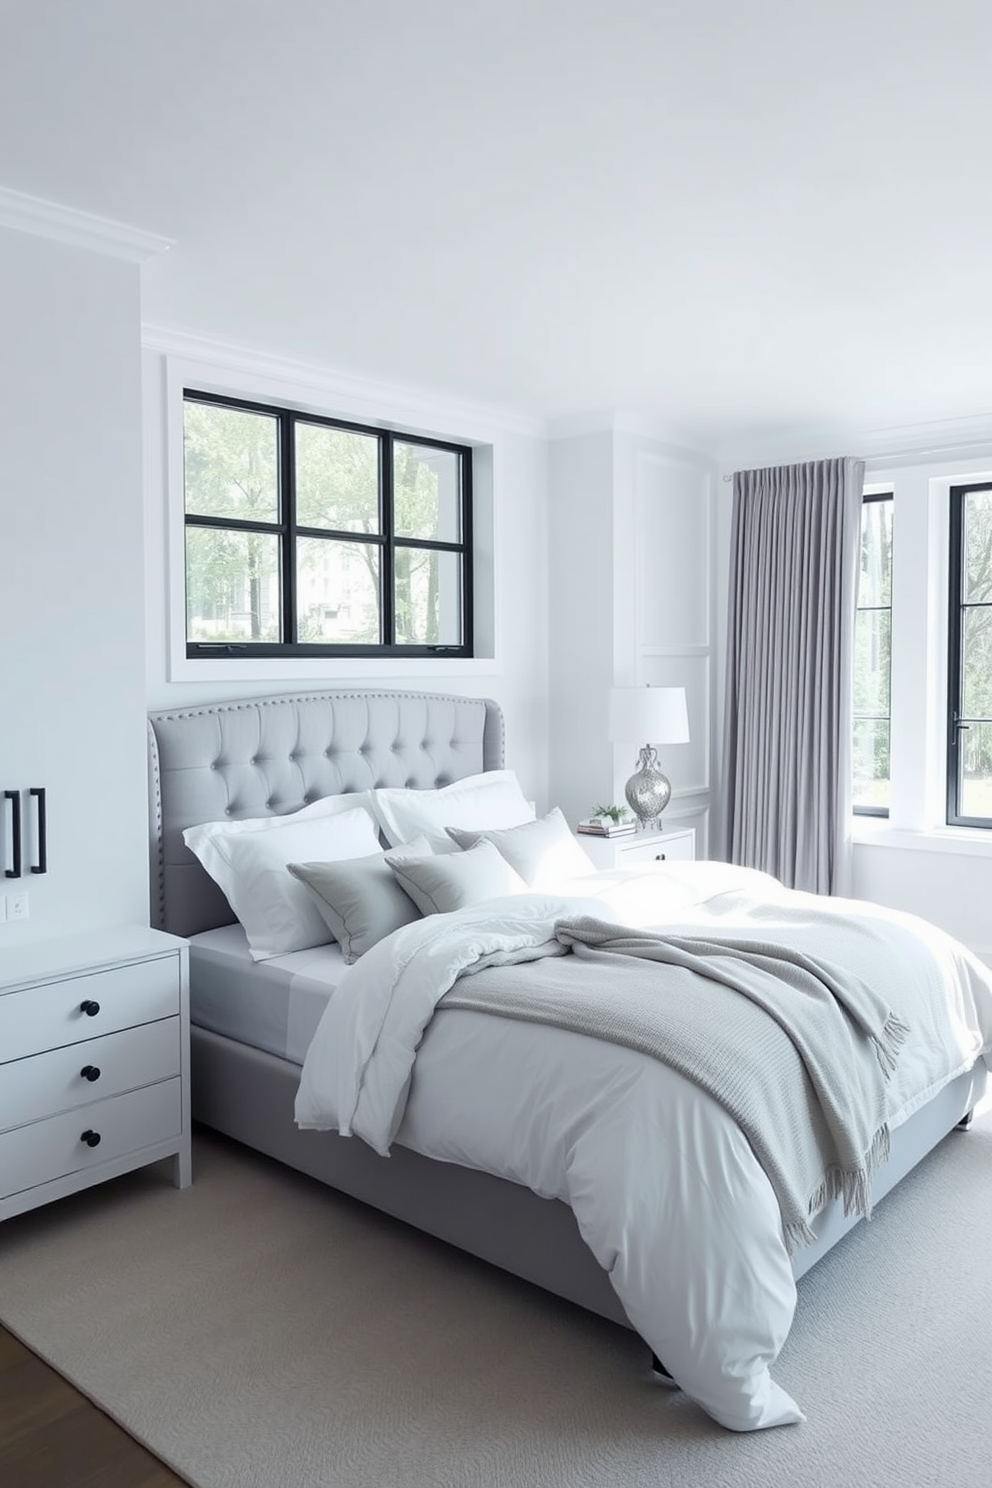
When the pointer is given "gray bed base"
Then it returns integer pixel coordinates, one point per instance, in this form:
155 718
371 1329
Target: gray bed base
273 754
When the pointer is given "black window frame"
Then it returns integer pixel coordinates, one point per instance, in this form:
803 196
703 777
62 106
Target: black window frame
867 498
957 605
287 530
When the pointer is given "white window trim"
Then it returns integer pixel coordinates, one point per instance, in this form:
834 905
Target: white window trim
962 841
917 808
266 386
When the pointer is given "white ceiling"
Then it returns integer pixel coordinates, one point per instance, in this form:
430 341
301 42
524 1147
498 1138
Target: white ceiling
734 218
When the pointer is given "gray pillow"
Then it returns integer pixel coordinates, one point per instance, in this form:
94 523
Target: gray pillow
543 852
359 900
447 881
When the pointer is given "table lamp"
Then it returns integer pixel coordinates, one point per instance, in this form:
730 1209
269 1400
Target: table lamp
659 715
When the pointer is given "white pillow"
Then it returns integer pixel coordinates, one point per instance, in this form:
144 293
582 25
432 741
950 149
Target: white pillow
447 881
493 799
543 852
247 859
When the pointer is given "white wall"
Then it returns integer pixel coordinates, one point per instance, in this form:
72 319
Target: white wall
631 603
666 608
72 701
609 550
512 542
580 590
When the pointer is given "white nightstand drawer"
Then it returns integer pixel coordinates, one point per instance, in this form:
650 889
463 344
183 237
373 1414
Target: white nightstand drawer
656 847
44 1084
36 1154
640 848
52 1013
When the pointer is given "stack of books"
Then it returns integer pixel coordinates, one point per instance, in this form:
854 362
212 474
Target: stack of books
605 826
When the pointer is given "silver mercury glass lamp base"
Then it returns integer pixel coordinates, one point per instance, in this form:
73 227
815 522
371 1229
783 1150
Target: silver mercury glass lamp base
648 791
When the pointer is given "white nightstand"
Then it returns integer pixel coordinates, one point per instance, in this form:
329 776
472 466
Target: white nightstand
94 1062
642 847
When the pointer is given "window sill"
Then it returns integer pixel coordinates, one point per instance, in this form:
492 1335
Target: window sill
328 672
963 841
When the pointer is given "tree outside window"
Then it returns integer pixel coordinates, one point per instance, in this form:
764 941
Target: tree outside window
873 659
309 536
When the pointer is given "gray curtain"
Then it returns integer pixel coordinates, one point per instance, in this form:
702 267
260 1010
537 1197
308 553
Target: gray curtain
795 545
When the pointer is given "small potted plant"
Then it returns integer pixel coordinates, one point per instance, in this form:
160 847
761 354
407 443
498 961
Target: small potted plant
616 814
608 821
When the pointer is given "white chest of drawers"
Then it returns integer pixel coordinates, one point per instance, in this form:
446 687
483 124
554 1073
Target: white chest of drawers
640 848
94 1062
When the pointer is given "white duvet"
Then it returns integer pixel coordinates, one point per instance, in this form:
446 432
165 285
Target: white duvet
665 1189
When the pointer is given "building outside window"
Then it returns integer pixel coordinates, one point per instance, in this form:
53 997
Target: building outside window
306 536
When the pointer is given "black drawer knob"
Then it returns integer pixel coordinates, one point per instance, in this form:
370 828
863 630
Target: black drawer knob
89 1007
91 1138
659 857
90 1072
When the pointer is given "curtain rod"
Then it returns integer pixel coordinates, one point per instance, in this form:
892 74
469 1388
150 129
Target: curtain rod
940 449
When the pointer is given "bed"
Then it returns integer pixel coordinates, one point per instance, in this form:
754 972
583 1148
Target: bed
267 758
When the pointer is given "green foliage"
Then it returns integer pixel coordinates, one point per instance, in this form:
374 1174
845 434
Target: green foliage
615 813
873 657
231 470
233 577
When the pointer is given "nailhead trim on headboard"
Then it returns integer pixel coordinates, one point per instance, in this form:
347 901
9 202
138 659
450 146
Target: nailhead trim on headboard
270 755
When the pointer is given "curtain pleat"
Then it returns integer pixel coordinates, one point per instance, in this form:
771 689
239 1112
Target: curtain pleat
795 542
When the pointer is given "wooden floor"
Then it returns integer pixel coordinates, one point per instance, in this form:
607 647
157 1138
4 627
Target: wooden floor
53 1437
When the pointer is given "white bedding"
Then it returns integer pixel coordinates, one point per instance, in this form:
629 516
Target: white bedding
664 1187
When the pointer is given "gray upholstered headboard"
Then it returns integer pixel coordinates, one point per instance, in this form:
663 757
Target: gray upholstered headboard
266 756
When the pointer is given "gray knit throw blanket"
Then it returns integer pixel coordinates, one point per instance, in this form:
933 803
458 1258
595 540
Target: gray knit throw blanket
797 1049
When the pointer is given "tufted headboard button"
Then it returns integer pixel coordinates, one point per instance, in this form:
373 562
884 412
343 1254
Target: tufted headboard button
362 733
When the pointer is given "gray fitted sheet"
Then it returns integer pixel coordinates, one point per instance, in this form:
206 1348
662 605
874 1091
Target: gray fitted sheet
272 1005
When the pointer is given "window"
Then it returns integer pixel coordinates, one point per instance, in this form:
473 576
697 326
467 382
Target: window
308 536
873 658
969 751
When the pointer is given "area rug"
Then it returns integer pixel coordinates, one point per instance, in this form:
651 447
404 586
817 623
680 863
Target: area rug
259 1331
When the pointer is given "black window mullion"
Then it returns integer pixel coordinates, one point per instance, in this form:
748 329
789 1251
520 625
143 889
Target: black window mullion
954 622
429 544
288 532
233 524
387 515
468 598
958 608
287 513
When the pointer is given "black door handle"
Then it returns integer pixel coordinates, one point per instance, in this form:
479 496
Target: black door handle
15 834
38 791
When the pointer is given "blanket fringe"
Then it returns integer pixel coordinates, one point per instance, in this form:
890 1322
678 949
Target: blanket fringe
889 1043
853 1186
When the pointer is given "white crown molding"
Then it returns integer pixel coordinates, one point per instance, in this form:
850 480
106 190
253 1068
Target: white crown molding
669 441
896 444
365 398
574 425
47 219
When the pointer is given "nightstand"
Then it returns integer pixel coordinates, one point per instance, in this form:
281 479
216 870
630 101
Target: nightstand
640 848
94 1062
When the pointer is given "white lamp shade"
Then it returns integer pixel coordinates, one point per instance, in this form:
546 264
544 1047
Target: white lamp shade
648 715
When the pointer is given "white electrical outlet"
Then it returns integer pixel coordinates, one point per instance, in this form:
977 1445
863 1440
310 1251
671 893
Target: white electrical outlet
17 906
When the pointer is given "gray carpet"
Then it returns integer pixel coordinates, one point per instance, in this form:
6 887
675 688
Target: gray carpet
258 1331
